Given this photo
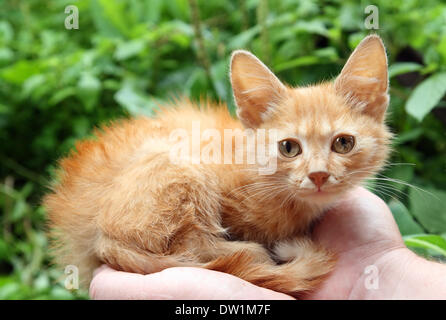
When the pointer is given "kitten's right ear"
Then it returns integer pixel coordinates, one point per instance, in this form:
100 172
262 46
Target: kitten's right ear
364 77
256 89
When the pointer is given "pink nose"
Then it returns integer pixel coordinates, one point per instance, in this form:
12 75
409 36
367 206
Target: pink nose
319 178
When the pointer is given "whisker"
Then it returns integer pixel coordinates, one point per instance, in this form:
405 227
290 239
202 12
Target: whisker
387 191
272 191
384 178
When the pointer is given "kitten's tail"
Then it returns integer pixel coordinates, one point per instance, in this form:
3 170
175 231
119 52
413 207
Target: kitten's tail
294 278
133 259
300 275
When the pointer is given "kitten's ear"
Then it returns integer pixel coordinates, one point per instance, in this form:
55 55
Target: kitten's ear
364 77
256 89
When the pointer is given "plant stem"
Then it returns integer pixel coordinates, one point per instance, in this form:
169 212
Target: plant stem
201 50
245 15
262 13
7 230
23 171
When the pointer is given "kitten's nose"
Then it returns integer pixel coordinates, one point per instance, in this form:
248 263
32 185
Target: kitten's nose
319 178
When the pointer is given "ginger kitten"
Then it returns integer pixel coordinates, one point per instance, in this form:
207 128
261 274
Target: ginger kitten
123 200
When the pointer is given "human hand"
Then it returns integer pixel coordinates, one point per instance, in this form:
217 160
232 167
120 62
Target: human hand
360 230
176 284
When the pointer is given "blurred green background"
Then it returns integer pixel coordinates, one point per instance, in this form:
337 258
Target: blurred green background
128 56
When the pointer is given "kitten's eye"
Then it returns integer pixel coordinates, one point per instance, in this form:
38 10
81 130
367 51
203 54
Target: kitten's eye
343 144
289 148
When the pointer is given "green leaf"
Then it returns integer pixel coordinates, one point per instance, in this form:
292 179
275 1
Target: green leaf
33 84
315 26
402 68
427 241
4 250
320 56
196 84
406 223
426 96
154 10
408 136
110 17
60 293
129 49
355 38
399 172
21 71
6 32
88 89
19 211
178 8
135 102
241 40
6 56
9 290
42 282
81 126
298 62
219 74
61 95
351 17
429 208
115 12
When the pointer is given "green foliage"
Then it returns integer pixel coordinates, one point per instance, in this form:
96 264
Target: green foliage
428 207
128 56
435 243
426 96
404 219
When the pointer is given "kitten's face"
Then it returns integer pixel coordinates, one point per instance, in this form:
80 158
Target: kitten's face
331 136
325 146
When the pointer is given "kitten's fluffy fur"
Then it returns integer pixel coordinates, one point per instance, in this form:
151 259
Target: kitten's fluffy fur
121 201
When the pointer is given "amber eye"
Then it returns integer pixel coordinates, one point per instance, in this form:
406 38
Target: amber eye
343 144
289 148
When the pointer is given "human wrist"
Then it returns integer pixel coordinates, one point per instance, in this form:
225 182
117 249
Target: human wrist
426 279
401 274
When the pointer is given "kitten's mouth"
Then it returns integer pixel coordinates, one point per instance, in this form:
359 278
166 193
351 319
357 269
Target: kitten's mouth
321 192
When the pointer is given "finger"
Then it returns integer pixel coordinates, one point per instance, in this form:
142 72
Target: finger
175 283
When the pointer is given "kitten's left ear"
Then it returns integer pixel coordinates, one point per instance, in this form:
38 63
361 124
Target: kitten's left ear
364 77
256 89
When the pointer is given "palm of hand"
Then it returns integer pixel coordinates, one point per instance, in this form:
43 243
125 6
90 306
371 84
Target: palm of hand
362 232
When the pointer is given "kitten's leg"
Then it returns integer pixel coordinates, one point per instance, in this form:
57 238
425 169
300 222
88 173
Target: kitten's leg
306 266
